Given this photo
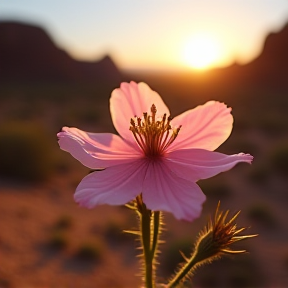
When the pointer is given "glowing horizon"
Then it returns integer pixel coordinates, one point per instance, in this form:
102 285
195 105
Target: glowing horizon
155 35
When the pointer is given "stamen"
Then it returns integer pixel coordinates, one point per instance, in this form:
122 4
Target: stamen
153 111
153 136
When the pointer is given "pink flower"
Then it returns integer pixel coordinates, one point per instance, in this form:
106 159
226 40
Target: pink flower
160 157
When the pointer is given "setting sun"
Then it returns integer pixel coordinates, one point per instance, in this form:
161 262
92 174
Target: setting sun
201 52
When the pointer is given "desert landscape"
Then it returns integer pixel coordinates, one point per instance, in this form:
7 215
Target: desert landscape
47 240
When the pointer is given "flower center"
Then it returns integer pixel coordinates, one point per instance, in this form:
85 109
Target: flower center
153 135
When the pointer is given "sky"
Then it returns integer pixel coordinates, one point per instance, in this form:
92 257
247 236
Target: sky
155 34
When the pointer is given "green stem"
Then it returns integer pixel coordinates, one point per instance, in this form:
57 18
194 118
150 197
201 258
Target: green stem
183 272
156 230
145 220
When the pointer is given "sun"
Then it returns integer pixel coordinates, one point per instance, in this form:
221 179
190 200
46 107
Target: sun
201 52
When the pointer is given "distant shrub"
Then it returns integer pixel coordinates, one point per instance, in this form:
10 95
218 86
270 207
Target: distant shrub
115 235
215 188
279 158
58 241
240 279
273 124
262 214
89 251
171 257
25 152
241 272
244 273
5 283
64 222
258 174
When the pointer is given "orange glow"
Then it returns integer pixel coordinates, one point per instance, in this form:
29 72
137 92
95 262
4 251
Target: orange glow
201 52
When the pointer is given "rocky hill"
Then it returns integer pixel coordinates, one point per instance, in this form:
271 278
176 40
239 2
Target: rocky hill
271 66
27 54
268 71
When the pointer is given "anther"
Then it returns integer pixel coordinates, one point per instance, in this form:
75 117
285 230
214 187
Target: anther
152 136
132 122
153 109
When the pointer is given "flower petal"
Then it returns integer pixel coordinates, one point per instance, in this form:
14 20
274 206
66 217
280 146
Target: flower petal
132 100
96 151
196 164
206 127
163 190
115 185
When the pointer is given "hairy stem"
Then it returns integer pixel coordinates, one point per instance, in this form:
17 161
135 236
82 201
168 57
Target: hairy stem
145 222
156 230
149 223
183 272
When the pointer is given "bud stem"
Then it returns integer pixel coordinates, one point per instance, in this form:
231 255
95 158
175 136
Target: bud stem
184 271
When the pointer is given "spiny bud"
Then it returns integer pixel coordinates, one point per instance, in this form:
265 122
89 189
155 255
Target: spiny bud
213 241
218 235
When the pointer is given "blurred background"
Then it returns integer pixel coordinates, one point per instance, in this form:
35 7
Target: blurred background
60 61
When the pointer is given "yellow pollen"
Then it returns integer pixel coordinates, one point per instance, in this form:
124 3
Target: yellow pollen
153 135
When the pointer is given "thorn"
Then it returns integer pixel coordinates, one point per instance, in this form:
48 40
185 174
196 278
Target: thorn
184 257
138 233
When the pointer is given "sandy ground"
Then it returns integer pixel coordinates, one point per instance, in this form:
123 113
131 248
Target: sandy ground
29 215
